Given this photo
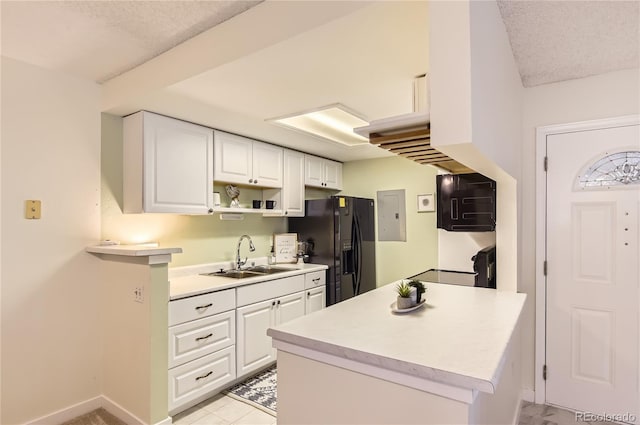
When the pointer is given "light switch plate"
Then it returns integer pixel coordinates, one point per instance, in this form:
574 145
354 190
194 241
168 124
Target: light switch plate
33 209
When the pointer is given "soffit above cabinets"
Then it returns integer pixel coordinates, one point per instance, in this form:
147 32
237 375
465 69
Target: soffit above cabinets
409 136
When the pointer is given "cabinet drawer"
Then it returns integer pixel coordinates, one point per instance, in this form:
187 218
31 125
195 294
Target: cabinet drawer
271 289
199 377
315 279
197 338
188 309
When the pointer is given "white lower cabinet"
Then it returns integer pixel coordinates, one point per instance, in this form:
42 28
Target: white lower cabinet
254 346
315 300
289 308
202 351
315 292
220 337
199 377
194 339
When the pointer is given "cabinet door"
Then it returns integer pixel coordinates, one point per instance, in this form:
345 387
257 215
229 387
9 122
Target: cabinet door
290 307
313 171
332 175
293 184
177 160
315 299
253 344
267 165
232 158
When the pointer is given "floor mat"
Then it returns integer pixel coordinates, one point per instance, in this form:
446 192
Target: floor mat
260 390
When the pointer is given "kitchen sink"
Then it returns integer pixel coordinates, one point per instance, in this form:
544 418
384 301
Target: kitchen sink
250 272
234 274
268 269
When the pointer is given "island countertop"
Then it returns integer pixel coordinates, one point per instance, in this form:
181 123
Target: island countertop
459 337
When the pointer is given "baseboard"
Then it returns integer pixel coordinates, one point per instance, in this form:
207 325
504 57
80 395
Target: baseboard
120 412
68 413
528 395
167 421
90 405
516 416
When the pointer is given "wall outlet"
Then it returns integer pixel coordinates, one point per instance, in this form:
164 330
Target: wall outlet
138 294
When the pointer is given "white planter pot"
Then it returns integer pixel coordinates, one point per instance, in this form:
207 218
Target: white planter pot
404 303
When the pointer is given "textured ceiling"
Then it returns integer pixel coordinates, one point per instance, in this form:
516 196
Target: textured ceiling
561 40
551 40
286 56
99 40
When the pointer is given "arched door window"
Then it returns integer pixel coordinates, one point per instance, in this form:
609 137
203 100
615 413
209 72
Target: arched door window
620 169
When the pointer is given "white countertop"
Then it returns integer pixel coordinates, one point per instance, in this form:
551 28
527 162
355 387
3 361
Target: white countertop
132 250
182 286
458 338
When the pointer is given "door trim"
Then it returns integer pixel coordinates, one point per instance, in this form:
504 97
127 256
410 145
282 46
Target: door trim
541 235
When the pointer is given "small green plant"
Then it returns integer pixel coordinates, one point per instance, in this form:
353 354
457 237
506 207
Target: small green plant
420 289
418 285
403 289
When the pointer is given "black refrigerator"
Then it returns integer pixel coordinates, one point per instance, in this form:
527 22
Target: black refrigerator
340 232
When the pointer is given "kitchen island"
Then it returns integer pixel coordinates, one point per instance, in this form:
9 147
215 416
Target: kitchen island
455 360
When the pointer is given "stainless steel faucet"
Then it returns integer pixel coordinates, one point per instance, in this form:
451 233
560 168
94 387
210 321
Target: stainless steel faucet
239 262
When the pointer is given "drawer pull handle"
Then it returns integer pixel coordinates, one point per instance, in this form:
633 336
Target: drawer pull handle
204 337
202 307
204 376
316 280
308 294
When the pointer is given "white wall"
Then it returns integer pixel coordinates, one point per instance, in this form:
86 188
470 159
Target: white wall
602 96
455 249
50 324
449 73
395 259
496 89
476 109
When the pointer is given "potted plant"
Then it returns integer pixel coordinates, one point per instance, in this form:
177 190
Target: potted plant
419 289
404 300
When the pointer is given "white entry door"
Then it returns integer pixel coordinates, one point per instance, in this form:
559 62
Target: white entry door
593 272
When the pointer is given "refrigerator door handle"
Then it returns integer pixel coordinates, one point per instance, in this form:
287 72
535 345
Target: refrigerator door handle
354 256
357 245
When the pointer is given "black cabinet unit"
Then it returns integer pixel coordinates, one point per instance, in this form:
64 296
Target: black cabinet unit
466 203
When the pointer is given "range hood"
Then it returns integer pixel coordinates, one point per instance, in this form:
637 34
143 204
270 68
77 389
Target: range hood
409 136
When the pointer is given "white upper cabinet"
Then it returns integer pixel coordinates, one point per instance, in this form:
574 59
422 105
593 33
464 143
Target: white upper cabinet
322 173
332 175
167 165
290 199
293 189
245 161
267 165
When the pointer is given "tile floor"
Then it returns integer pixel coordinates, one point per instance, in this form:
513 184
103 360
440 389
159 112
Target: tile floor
223 410
539 414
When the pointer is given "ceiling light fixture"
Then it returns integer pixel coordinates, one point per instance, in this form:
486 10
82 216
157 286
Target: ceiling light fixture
333 122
